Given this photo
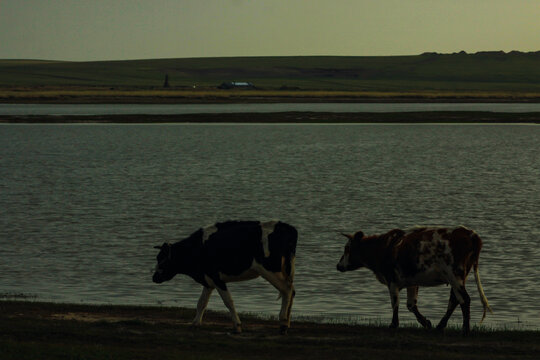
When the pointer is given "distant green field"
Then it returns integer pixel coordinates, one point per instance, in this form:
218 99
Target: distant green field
489 71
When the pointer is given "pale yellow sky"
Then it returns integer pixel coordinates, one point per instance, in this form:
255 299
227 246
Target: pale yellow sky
140 29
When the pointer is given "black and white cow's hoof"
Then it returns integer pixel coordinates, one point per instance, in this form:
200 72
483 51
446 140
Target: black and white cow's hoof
283 329
428 325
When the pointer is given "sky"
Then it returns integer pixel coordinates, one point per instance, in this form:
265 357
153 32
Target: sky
87 30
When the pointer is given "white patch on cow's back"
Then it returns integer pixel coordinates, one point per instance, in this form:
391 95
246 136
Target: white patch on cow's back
267 228
208 231
435 254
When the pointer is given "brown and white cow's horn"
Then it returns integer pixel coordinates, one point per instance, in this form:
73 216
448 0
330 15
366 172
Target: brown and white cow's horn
348 236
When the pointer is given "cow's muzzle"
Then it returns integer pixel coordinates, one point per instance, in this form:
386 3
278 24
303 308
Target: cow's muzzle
341 268
157 278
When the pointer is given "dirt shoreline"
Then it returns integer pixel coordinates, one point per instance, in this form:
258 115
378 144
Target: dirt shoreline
288 117
261 99
30 330
47 94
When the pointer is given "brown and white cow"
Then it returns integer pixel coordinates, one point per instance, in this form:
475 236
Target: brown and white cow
422 256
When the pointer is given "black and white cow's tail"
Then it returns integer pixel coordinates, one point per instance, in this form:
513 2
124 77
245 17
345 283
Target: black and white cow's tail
287 236
289 253
477 246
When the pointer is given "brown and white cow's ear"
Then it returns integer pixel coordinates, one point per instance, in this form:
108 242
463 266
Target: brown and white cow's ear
348 236
162 246
358 235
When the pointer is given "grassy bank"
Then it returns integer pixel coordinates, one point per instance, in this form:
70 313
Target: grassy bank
106 95
32 330
288 117
513 72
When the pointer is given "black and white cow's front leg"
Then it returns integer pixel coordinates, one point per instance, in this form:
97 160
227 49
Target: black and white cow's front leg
202 304
412 299
228 301
393 289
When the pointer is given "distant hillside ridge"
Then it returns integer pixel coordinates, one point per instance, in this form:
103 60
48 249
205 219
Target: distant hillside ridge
481 71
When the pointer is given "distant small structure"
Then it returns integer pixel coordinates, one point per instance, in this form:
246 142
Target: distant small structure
166 83
236 85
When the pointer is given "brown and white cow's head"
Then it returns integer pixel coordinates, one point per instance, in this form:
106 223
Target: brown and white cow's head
352 255
165 268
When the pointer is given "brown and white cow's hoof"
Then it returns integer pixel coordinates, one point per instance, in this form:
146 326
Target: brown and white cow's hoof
283 329
440 327
237 329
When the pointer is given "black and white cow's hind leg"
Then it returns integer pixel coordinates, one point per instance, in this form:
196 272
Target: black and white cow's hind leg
412 299
201 305
286 291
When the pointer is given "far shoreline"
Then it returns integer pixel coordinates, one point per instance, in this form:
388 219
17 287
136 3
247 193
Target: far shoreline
437 117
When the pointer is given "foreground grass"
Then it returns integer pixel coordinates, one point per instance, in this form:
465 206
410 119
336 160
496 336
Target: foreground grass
31 330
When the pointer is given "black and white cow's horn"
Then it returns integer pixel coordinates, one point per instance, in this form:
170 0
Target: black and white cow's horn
158 247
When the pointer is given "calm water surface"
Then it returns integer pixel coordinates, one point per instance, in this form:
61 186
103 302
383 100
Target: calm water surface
171 109
81 207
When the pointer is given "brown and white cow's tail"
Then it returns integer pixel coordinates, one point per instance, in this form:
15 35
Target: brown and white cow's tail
483 297
477 246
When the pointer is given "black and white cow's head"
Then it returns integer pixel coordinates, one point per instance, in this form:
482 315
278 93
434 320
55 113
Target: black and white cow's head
165 268
352 255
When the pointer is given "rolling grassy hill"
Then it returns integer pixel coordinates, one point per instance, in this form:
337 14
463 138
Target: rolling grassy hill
513 72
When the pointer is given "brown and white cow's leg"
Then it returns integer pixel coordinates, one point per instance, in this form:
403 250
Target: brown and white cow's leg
228 301
466 310
464 300
202 304
412 299
452 304
393 289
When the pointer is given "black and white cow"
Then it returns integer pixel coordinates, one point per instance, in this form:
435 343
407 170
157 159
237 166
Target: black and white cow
422 256
234 251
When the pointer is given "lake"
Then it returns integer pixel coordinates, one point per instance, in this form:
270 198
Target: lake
175 109
81 207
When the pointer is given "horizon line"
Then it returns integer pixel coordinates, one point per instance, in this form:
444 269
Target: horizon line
426 53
